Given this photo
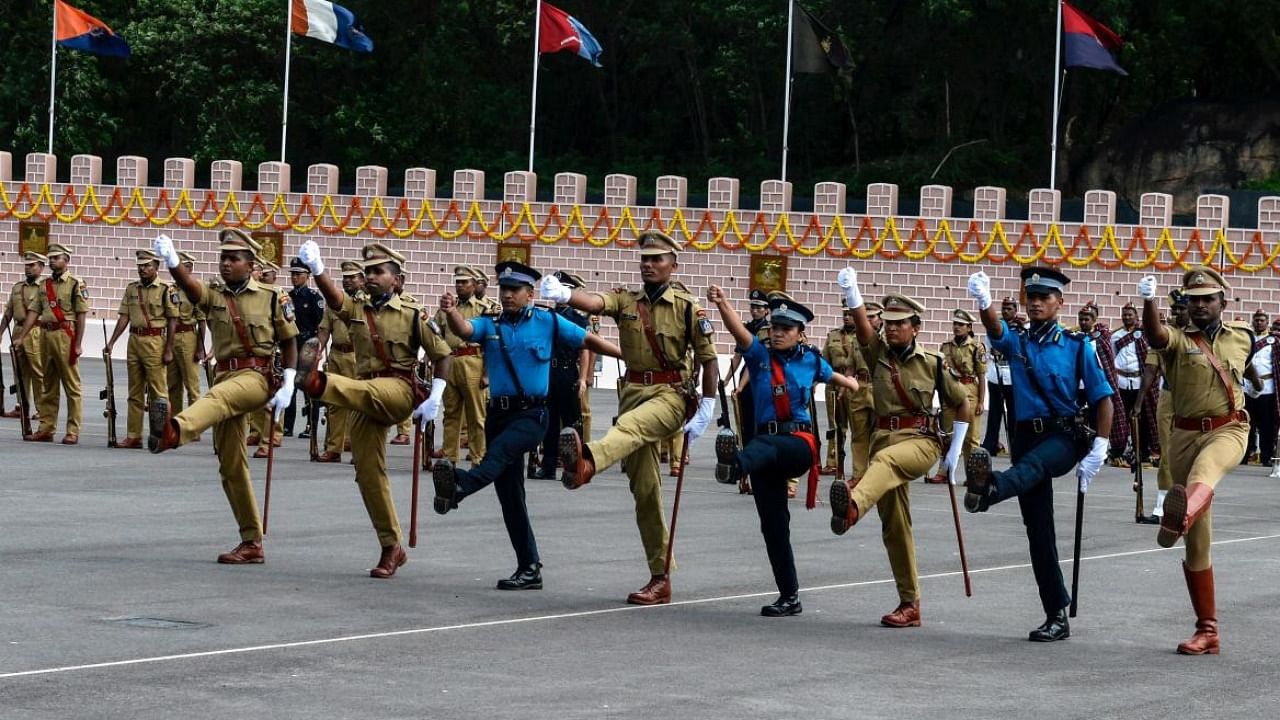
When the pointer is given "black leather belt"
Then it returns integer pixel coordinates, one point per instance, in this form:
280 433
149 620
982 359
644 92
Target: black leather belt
1043 425
516 402
782 428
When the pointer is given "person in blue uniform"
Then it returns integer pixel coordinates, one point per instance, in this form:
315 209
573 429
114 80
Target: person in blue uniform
569 369
308 310
783 373
527 338
1048 364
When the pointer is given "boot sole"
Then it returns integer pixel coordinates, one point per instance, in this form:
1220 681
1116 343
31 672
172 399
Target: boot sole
446 485
1175 513
839 499
977 479
570 453
307 355
157 418
726 457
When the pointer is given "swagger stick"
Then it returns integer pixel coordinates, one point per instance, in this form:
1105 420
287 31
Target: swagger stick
1075 562
945 477
271 456
675 506
417 472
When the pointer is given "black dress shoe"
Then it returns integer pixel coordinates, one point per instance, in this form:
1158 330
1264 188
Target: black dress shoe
783 606
304 435
1055 628
288 432
1149 520
525 578
538 473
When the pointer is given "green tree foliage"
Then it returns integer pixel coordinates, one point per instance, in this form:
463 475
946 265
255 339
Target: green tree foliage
691 87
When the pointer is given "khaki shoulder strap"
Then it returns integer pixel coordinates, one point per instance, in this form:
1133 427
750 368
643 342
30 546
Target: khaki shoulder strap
233 310
1198 339
642 306
377 339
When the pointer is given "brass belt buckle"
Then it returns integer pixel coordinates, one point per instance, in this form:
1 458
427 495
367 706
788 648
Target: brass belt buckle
647 377
1206 424
895 422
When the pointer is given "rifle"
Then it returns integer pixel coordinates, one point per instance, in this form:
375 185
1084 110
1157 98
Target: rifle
313 424
617 387
726 445
4 388
19 388
840 414
109 392
417 473
1137 471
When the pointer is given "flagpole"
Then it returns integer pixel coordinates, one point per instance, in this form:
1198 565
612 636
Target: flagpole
53 72
1057 101
786 112
533 106
288 53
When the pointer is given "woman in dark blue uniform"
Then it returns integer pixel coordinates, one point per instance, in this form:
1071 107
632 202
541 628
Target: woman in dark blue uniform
783 374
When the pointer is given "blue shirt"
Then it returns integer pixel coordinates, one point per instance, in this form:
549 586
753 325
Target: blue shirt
802 366
528 338
563 351
1060 369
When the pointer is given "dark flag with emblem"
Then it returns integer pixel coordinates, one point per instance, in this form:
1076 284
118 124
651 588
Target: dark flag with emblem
816 49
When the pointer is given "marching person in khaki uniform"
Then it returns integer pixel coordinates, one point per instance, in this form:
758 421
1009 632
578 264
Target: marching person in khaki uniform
967 360
258 434
145 310
658 326
248 321
905 443
464 397
849 410
387 331
186 332
60 309
21 297
1204 365
588 380
1154 373
341 360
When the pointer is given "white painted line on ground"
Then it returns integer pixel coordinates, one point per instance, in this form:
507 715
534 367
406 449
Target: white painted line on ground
556 616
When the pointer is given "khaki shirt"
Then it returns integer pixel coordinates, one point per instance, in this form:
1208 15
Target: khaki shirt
149 306
918 375
969 360
842 352
267 319
395 325
674 334
188 313
340 362
23 296
1196 388
471 308
70 294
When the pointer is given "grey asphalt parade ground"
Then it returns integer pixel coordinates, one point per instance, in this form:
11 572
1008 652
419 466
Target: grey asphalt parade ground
113 606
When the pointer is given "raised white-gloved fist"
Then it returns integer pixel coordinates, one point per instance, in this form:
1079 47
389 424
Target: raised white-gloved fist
979 287
847 279
1092 463
163 246
284 396
1147 287
701 419
958 432
550 288
430 408
309 254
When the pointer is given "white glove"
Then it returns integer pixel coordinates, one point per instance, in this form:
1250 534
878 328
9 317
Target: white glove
847 279
1147 287
430 408
701 419
163 246
1092 462
958 432
309 254
980 289
550 288
284 396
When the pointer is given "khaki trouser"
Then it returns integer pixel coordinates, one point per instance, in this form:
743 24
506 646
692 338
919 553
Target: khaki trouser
376 405
59 375
949 418
1164 425
584 401
837 423
886 486
464 403
233 396
184 371
854 420
405 427
148 379
338 418
258 428
648 415
1198 457
32 368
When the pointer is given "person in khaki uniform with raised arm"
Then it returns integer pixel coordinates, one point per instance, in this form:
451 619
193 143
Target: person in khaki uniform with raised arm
387 331
145 310
850 410
658 327
187 331
22 296
341 360
967 359
60 308
905 443
247 323
1152 373
464 397
1205 366
258 434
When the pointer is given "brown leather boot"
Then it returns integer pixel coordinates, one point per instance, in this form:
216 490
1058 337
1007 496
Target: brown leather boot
578 468
248 552
163 433
309 379
1182 507
844 513
1200 588
393 556
656 592
907 614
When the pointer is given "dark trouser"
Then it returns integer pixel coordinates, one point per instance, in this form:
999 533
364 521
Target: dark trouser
291 412
1037 459
509 434
1262 427
998 395
563 410
771 460
1130 398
